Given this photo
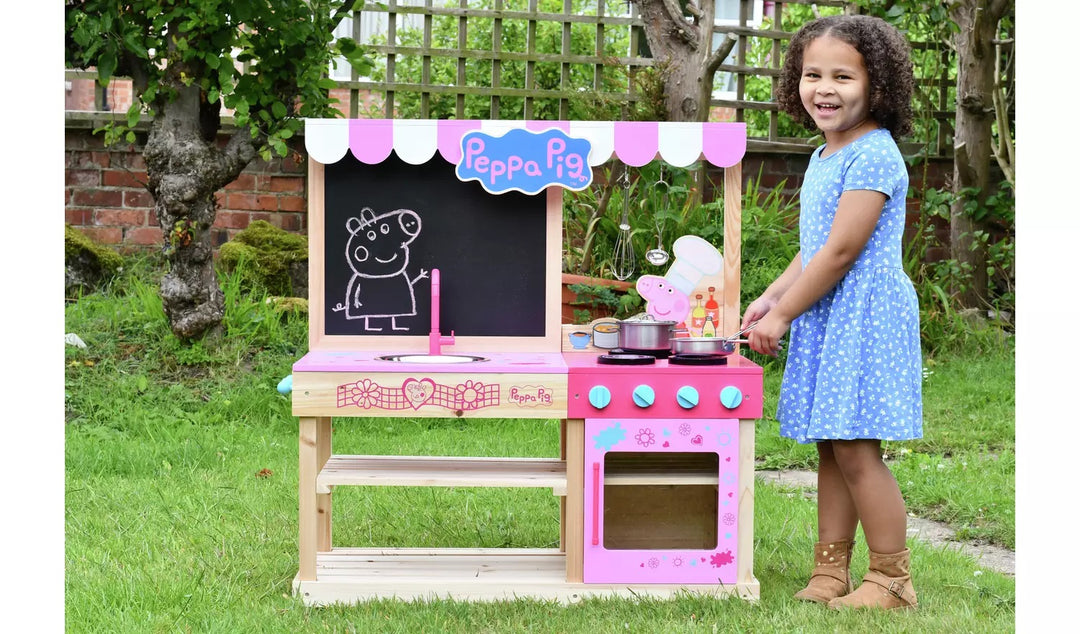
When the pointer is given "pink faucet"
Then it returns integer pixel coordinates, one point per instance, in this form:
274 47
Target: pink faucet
435 340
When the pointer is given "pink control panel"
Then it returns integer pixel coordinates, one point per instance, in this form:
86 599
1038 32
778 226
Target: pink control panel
664 391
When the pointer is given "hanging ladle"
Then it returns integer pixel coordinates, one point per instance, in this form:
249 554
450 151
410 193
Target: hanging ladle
658 256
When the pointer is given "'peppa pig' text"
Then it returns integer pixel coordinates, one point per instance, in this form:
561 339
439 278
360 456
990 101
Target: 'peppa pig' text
525 161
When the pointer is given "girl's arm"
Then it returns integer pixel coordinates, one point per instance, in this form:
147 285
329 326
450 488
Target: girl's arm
856 216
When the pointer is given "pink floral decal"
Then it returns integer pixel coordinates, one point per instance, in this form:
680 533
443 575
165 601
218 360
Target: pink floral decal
365 394
467 394
729 519
654 562
645 437
684 429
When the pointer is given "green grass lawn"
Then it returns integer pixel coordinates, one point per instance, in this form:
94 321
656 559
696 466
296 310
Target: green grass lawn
181 496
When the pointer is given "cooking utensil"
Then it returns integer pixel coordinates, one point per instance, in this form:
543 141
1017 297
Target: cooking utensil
704 345
658 256
606 334
645 334
742 332
623 257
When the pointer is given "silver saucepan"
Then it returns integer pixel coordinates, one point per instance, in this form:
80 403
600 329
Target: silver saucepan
645 334
704 345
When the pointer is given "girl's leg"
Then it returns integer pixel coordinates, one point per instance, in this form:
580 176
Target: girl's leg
837 514
837 519
874 492
881 510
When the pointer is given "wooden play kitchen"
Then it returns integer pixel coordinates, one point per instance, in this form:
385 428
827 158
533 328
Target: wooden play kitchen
434 291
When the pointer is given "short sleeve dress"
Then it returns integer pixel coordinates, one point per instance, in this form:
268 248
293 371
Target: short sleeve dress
854 367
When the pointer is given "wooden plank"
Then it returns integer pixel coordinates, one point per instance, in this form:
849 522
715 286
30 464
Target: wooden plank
732 246
745 539
351 575
354 470
316 252
308 515
323 500
574 518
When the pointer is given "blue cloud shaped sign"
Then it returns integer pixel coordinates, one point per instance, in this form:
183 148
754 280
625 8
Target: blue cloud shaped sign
525 161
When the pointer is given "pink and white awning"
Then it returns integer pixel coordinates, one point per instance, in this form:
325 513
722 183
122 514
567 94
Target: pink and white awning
632 142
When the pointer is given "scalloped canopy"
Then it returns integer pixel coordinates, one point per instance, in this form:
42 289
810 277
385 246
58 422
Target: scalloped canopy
635 143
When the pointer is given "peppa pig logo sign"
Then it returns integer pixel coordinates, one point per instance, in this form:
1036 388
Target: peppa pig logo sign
525 161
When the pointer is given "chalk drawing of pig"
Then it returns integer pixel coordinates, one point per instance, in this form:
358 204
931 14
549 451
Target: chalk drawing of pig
378 254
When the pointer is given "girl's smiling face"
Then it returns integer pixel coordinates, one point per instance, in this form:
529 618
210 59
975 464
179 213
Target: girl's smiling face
835 90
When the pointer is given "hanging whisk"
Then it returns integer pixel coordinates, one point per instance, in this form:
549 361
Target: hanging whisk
623 257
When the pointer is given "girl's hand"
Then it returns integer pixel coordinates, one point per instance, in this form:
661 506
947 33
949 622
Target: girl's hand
765 337
756 310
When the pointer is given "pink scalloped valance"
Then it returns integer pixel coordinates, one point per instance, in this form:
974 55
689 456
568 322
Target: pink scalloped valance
632 142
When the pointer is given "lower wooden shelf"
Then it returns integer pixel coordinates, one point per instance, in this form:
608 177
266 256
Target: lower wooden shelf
349 575
442 471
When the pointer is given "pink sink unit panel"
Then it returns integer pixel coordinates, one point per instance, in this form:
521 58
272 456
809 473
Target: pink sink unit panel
368 361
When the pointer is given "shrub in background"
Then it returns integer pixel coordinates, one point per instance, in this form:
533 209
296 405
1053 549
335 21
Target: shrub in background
277 259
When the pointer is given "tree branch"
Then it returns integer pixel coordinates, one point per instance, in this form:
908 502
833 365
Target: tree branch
719 55
343 12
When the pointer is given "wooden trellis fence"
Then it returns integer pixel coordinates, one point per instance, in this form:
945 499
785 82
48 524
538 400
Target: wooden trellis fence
428 37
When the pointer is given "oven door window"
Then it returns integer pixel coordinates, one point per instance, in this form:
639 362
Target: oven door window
660 500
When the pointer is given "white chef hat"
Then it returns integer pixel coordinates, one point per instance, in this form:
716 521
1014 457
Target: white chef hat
694 259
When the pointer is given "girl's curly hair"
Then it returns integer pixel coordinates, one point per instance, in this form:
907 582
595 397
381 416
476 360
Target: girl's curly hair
885 53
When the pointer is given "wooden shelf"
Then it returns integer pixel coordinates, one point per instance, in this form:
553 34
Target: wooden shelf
442 472
348 575
658 478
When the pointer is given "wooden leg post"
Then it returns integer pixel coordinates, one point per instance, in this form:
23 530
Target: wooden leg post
574 517
314 508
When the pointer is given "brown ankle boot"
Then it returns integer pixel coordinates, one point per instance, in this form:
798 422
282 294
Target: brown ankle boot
830 578
887 584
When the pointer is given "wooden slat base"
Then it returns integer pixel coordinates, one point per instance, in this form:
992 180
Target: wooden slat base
349 575
443 472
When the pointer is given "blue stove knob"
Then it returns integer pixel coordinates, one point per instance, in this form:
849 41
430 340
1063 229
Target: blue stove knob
730 397
599 397
644 396
687 397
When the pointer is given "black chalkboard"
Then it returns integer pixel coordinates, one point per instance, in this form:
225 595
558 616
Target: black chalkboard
490 251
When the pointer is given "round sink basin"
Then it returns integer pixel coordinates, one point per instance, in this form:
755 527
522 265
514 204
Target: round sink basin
432 358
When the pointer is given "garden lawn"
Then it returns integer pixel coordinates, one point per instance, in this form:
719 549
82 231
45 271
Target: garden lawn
181 497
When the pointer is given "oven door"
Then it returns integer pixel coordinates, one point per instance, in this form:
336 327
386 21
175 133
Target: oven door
661 500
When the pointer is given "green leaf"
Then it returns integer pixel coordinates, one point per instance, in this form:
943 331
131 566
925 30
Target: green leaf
106 66
279 110
133 114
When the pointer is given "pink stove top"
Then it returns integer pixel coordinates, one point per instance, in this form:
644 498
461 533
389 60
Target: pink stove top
663 389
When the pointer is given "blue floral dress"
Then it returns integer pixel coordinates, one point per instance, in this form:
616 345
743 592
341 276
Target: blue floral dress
854 367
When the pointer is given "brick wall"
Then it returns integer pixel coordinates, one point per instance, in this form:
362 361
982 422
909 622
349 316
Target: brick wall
105 197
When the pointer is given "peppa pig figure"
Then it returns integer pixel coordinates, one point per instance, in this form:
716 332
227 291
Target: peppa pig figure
378 254
668 298
664 301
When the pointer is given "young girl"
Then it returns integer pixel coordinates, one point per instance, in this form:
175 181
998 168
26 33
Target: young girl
853 375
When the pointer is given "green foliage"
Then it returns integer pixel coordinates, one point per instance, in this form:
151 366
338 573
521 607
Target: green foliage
265 59
262 255
939 281
590 102
79 246
601 300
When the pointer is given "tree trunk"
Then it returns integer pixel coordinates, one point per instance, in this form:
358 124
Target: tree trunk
978 22
184 169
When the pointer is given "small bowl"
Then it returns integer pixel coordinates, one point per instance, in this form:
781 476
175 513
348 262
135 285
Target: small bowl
606 334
